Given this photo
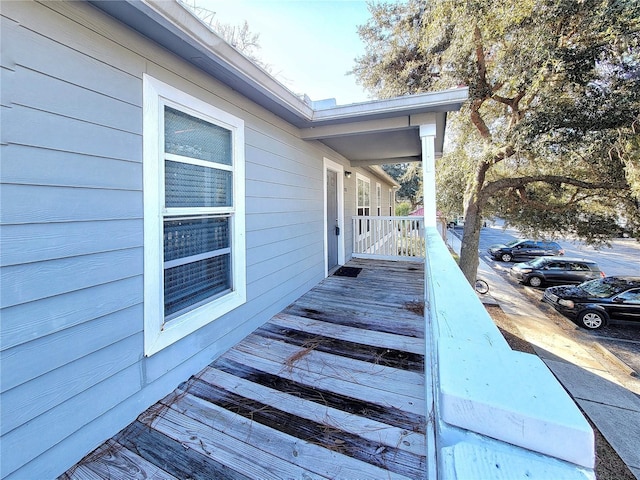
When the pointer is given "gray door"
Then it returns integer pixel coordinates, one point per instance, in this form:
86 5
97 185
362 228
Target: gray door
333 232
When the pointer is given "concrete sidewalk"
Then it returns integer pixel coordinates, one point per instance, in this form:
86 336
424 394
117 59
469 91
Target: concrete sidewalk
598 382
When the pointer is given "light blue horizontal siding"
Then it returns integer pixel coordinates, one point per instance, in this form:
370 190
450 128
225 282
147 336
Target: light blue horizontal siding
24 47
35 437
278 205
36 204
282 190
278 261
38 166
33 281
48 241
263 163
33 320
292 271
264 252
31 127
22 364
276 233
29 400
269 173
33 89
287 155
264 220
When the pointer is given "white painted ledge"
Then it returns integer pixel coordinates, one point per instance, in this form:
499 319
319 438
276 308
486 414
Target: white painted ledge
513 397
466 460
484 387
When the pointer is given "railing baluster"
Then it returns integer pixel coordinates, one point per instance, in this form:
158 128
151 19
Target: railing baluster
388 237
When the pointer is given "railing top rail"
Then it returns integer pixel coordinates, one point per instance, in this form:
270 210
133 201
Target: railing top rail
387 217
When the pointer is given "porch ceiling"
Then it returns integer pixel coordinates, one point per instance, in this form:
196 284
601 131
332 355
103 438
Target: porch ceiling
394 138
368 133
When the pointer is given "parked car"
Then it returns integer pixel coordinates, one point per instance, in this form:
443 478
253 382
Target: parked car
558 270
524 250
456 222
595 303
459 222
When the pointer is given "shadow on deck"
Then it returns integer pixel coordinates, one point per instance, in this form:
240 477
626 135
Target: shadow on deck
331 387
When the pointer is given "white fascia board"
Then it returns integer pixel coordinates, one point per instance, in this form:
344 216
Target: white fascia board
432 101
343 129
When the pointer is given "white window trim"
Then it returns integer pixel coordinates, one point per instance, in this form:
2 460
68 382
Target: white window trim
157 334
378 199
367 231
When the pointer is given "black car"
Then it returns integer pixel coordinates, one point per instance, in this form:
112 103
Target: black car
558 270
524 250
595 303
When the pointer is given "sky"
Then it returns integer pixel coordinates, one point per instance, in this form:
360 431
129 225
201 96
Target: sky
310 45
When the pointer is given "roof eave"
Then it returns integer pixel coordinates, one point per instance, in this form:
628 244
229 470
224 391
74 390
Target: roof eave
178 30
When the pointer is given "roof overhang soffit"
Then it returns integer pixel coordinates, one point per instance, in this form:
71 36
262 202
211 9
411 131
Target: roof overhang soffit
394 139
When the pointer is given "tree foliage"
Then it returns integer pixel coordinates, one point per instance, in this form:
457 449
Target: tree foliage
549 136
410 178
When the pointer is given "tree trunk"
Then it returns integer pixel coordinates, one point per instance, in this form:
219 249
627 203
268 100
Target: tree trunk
469 259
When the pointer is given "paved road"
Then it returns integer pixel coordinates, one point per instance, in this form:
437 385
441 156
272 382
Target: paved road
622 258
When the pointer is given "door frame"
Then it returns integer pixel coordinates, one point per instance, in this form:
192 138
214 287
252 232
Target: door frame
339 169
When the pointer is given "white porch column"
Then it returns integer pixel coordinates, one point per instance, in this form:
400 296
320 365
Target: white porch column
428 138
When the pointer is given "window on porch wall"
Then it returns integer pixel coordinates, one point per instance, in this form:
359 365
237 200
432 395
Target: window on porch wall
363 203
194 214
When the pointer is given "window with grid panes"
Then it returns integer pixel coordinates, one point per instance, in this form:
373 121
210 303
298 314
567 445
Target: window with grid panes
363 187
194 214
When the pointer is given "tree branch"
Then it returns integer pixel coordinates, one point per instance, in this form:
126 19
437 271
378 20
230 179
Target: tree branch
542 206
478 121
493 187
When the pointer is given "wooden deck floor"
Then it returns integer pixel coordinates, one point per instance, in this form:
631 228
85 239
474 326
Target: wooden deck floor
331 387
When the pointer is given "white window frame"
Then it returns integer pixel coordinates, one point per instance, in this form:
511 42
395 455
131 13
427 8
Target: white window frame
379 198
159 334
367 226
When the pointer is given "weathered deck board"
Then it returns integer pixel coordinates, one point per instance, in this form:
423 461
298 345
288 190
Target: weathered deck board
348 386
308 359
387 413
318 412
332 387
367 337
345 348
112 460
329 463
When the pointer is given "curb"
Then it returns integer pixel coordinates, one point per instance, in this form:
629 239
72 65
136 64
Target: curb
613 359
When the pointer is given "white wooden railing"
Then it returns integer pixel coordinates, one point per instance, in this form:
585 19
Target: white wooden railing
389 238
477 389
